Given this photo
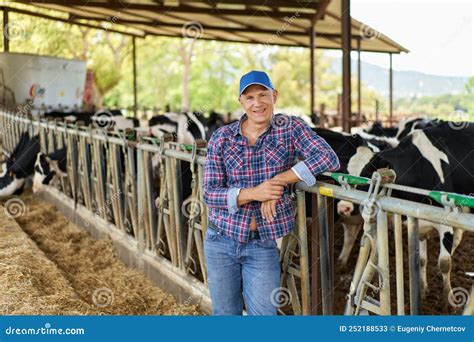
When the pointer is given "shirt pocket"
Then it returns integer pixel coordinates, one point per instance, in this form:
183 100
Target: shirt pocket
277 154
233 157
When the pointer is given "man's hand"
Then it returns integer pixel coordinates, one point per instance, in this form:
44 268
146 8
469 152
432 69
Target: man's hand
271 189
268 209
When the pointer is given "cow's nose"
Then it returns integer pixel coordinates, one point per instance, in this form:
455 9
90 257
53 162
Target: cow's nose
344 209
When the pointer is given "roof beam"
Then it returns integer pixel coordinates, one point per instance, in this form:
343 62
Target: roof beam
68 21
253 29
320 12
267 3
178 9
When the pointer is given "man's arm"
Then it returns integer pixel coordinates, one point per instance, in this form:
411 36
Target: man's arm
215 192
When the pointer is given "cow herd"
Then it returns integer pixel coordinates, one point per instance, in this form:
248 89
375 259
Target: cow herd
424 153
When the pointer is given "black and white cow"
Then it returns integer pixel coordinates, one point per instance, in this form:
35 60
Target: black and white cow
19 166
377 129
407 126
186 127
104 118
49 167
347 147
435 158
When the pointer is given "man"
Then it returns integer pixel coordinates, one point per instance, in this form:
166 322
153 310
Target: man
248 168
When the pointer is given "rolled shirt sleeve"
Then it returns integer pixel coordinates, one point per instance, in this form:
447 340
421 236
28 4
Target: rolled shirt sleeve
316 153
232 196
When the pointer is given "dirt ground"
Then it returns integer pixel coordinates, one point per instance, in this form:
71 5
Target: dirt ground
58 269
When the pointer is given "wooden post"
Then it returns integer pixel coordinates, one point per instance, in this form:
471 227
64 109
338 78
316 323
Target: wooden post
6 33
312 33
346 64
359 85
390 87
134 77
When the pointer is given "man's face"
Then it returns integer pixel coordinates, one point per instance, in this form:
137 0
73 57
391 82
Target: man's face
258 102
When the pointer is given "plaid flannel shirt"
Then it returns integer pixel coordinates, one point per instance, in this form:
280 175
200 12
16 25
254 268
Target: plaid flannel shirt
232 164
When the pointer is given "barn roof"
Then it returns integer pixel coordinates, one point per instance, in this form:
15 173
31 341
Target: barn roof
272 22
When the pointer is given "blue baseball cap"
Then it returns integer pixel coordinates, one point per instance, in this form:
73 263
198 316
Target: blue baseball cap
255 77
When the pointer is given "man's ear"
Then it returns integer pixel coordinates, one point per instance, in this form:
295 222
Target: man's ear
240 101
275 96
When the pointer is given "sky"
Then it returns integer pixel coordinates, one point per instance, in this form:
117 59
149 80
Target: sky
439 34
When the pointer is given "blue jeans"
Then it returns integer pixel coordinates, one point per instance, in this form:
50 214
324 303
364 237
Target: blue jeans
250 270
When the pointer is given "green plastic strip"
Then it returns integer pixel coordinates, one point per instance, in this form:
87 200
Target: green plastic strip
353 180
459 200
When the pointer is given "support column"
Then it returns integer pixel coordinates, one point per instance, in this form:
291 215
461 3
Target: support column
312 33
346 64
134 53
6 35
359 85
390 90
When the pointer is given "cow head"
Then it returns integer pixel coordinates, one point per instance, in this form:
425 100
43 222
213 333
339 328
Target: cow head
45 171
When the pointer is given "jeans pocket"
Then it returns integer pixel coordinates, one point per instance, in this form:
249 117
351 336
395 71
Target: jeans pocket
211 234
267 243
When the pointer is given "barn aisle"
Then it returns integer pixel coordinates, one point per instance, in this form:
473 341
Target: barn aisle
48 266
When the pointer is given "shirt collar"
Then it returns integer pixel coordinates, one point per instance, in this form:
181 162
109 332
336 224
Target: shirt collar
245 117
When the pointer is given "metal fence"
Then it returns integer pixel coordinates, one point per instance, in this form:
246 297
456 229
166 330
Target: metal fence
137 187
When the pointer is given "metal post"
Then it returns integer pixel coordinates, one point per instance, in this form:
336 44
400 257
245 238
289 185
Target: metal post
6 33
383 262
397 223
134 53
325 258
390 85
315 269
346 64
414 265
359 85
311 70
304 261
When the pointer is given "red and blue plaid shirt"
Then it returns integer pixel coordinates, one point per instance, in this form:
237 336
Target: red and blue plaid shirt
232 164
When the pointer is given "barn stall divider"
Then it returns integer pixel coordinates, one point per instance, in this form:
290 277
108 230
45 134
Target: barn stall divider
131 191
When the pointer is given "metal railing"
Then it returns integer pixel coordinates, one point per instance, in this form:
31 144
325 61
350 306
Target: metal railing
136 186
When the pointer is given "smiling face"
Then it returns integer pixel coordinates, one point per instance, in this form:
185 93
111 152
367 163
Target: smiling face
258 102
